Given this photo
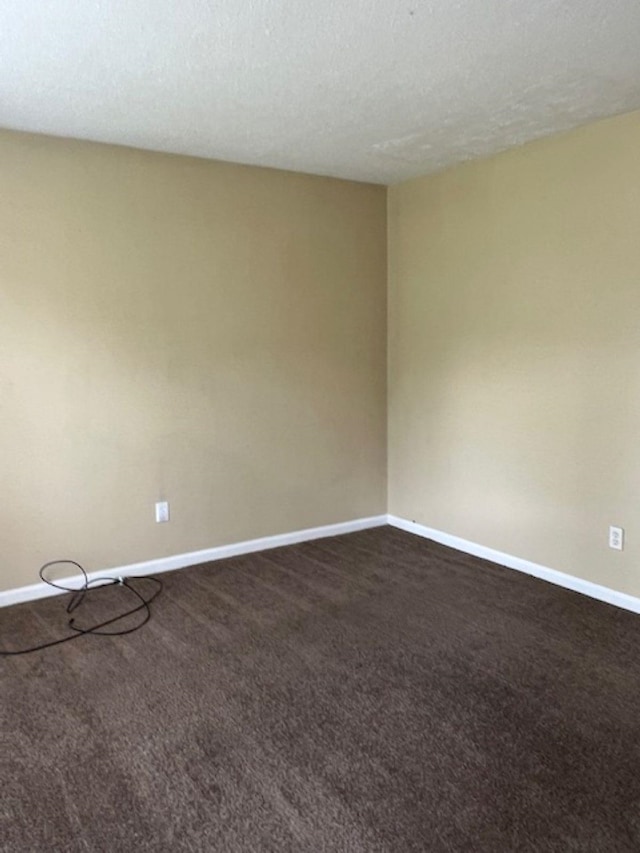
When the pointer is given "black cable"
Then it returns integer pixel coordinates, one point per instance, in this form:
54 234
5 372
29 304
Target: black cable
78 596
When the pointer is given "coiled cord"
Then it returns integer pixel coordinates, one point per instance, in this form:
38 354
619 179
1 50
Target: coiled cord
78 596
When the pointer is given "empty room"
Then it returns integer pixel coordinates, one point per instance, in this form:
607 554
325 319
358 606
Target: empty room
319 426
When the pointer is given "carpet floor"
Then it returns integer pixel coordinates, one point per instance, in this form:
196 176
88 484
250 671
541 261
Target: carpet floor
370 692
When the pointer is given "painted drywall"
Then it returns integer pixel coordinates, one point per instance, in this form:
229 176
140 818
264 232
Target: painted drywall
514 351
180 329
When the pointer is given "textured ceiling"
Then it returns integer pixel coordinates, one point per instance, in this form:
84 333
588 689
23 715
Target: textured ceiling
377 90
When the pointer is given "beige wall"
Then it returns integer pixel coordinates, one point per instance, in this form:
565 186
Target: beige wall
172 328
514 351
214 335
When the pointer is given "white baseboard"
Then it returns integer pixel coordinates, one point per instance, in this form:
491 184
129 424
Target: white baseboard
181 561
593 590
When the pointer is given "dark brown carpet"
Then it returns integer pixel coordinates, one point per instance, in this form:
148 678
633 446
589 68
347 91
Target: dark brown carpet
372 692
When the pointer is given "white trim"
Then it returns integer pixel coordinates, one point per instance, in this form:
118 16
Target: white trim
593 590
181 561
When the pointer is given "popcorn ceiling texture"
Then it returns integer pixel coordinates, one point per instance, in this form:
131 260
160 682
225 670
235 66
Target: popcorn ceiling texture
373 90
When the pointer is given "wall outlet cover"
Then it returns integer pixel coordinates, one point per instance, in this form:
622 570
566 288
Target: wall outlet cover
616 538
162 511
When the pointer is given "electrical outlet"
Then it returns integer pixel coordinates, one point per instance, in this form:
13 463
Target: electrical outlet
162 511
616 538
